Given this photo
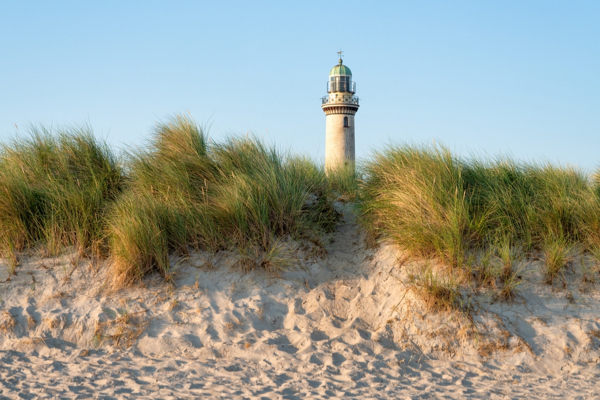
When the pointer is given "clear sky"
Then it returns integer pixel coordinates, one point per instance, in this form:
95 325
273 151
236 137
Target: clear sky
511 77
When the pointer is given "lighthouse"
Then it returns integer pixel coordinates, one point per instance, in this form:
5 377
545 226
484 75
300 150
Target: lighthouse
339 106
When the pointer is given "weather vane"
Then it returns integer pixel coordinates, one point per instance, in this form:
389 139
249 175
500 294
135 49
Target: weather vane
341 53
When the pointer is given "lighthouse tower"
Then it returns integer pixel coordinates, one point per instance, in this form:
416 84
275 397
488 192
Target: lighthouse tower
340 105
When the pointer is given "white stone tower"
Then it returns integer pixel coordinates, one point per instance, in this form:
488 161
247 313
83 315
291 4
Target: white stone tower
339 105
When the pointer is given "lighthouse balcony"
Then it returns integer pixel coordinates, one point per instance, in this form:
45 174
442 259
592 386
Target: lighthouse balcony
338 100
341 86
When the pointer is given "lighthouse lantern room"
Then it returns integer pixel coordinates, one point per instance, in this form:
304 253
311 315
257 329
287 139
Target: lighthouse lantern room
340 106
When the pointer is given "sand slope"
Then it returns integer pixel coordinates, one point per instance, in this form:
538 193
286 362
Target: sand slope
339 326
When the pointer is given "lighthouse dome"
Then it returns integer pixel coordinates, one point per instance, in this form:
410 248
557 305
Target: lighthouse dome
340 69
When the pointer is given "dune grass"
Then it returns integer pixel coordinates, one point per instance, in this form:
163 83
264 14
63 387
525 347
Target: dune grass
344 182
55 189
66 188
183 192
439 292
186 193
434 204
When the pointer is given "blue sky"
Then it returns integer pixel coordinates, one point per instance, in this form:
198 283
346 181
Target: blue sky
489 77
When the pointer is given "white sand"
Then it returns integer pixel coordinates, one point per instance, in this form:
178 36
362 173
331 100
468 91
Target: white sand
340 326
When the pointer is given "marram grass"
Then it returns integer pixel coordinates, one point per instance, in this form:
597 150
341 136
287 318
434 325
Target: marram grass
186 193
434 204
183 192
180 192
55 188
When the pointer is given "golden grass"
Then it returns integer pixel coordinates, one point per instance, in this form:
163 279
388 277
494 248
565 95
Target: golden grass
121 331
439 292
480 218
7 321
185 193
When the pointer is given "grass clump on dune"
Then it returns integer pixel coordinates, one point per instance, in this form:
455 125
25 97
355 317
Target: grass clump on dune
343 182
55 189
186 193
415 196
435 204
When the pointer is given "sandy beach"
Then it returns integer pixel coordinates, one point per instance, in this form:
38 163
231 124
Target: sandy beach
340 324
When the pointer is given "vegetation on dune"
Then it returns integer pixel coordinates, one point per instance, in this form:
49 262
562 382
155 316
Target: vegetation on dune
465 212
344 182
56 188
413 196
66 188
185 192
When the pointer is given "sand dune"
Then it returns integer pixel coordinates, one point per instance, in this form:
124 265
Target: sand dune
339 325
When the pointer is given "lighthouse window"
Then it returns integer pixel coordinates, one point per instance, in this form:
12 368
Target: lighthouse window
345 122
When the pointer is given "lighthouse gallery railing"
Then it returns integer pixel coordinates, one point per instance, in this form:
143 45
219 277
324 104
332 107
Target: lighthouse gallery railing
326 100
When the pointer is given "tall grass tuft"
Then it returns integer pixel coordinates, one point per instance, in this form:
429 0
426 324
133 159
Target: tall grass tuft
435 204
55 188
556 257
415 196
439 293
343 182
185 192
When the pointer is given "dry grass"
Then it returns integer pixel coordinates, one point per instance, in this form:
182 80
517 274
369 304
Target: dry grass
484 269
487 349
58 297
54 322
588 275
510 283
173 305
121 331
30 342
230 326
260 312
7 321
31 322
13 263
556 257
438 291
313 249
278 257
595 333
